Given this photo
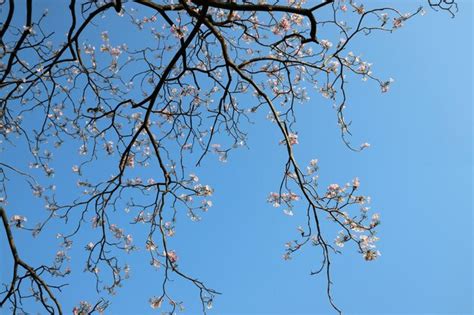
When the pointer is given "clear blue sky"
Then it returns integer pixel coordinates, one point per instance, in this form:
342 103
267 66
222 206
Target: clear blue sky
418 172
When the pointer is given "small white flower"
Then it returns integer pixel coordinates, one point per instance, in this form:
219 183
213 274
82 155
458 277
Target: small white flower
326 44
18 220
155 302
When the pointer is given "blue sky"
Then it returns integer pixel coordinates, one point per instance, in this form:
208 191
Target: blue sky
418 172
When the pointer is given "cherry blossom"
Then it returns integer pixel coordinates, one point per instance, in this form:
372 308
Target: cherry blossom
18 220
155 302
172 257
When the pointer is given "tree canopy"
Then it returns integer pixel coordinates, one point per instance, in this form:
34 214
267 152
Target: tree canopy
139 113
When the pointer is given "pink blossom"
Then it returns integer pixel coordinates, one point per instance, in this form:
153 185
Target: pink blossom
397 23
115 51
130 160
325 43
371 255
179 32
172 256
155 302
285 24
18 220
355 183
